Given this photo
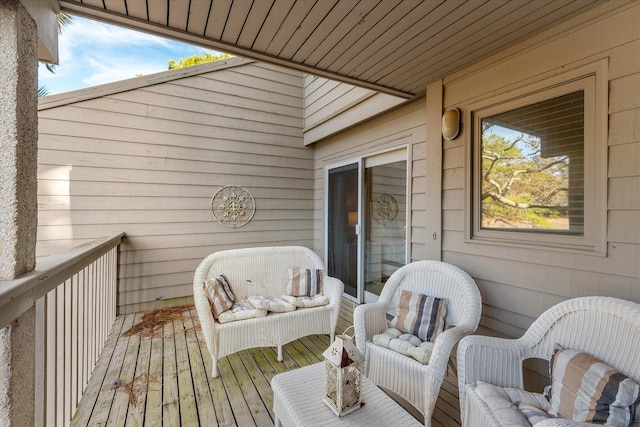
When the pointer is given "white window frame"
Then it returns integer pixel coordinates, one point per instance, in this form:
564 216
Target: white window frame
592 79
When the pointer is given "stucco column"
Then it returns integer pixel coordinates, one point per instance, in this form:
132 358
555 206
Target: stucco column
18 140
18 202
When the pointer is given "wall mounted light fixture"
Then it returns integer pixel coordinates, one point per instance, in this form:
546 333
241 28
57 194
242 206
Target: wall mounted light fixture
451 124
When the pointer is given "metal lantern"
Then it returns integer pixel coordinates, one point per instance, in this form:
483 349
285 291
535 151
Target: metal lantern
342 370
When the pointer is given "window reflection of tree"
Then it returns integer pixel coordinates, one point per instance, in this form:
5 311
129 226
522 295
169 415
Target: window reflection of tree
533 167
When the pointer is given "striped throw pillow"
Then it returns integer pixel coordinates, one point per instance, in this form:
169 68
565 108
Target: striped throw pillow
218 298
586 389
304 282
420 315
225 285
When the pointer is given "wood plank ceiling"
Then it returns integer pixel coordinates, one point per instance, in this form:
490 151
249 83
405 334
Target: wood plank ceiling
395 46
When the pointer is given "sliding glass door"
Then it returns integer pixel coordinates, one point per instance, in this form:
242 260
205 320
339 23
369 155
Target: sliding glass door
366 218
385 223
343 191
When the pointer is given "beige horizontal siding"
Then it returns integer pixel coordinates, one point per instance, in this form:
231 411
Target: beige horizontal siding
148 160
330 106
403 127
519 283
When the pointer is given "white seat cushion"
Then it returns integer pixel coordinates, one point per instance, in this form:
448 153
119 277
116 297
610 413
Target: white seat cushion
514 407
241 310
275 305
306 302
407 344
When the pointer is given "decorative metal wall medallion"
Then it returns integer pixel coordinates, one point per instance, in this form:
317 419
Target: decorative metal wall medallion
384 208
233 206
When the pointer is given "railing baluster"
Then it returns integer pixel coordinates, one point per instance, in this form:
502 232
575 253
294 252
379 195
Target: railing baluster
40 391
80 357
73 374
50 368
66 351
91 320
75 296
101 319
59 361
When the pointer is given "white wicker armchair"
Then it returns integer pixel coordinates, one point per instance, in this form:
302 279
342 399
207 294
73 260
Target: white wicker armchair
606 328
419 384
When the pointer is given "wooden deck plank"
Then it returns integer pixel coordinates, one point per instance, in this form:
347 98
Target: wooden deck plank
263 363
120 405
222 407
345 318
287 361
170 396
241 411
109 384
261 380
153 406
188 411
186 395
204 401
448 403
306 353
258 409
271 359
299 359
90 395
135 412
316 344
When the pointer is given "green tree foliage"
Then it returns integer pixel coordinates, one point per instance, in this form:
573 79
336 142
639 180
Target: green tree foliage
42 91
520 188
64 20
196 59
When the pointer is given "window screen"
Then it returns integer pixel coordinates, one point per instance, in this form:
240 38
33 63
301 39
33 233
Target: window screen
532 168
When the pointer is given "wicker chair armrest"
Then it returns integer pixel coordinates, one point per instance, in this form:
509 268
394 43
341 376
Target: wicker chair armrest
494 360
437 367
368 320
333 289
446 342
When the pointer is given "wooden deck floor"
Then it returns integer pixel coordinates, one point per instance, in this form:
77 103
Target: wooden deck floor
164 381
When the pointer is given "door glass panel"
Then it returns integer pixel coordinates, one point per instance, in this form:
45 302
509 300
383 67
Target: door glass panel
385 224
342 241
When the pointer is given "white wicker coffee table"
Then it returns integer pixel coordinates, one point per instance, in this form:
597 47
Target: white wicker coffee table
297 401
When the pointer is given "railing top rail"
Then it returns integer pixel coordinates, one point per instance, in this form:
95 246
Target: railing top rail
17 295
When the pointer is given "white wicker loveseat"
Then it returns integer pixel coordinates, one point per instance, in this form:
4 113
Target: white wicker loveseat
603 327
263 271
414 381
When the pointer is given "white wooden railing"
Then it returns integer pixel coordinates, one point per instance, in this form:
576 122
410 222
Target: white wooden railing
74 295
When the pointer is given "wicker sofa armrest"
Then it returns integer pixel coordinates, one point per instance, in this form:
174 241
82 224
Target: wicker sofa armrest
208 324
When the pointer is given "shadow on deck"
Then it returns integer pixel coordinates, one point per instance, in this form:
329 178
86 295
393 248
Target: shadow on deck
164 380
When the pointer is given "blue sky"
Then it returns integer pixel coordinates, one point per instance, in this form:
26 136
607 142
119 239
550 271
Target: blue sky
93 53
